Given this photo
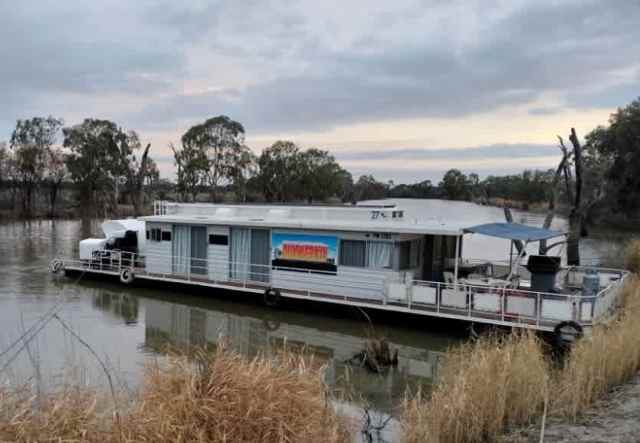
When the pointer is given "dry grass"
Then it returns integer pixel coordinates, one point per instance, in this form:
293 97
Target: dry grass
222 398
632 256
483 388
611 356
70 414
488 387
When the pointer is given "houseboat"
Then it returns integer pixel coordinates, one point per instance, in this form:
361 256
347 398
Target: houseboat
373 257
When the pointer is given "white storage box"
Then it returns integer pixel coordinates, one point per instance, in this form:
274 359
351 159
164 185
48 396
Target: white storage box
88 245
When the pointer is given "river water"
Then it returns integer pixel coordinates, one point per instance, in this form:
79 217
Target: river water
128 326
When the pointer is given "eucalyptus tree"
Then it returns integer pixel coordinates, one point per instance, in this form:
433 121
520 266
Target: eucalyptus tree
281 168
368 188
612 160
221 140
100 159
321 176
455 185
31 143
192 165
4 155
56 173
245 167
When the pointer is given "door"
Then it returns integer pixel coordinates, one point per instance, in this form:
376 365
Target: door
199 250
260 254
181 249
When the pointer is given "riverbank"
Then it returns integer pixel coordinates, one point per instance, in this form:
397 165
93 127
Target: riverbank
615 419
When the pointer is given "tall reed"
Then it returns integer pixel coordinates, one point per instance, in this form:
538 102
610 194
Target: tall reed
632 256
608 358
219 398
483 388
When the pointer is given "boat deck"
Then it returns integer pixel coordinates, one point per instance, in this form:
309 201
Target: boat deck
511 307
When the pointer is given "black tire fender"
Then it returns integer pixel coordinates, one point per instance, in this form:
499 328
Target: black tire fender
272 297
126 276
567 333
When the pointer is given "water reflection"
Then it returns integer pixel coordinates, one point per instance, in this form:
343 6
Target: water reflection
168 323
119 305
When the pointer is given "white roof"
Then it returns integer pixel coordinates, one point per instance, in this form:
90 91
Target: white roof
327 218
118 228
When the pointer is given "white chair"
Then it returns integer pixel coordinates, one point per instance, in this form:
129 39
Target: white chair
449 278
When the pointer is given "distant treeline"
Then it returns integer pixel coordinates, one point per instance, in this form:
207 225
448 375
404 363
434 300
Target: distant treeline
96 167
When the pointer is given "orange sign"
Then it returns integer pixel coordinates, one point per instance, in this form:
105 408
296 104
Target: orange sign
305 251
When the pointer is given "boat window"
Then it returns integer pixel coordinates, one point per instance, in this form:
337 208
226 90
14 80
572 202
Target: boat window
166 235
156 234
379 254
404 254
220 240
148 234
352 253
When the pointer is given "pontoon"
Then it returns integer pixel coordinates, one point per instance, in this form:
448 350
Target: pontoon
375 257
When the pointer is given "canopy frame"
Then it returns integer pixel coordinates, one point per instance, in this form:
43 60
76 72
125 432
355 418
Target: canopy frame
514 232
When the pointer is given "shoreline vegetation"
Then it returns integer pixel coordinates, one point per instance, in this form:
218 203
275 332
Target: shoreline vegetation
500 383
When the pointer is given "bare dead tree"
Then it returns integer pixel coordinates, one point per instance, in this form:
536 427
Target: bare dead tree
576 216
573 187
137 182
561 171
509 217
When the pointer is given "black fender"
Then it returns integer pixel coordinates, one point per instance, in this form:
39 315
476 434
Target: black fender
567 333
272 297
126 276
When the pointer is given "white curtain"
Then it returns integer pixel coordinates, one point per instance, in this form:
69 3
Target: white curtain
181 249
240 253
379 254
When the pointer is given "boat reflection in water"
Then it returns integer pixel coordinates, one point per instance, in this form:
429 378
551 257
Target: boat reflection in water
253 331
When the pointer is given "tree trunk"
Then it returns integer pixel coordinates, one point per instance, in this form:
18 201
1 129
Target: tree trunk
562 168
576 216
509 217
137 197
573 238
27 201
53 197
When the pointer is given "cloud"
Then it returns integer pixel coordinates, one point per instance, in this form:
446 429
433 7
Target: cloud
309 67
410 71
54 53
498 151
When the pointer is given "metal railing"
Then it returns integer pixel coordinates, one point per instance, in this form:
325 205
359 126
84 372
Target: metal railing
481 303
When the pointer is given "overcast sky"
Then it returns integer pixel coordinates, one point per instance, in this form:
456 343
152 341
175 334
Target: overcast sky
400 89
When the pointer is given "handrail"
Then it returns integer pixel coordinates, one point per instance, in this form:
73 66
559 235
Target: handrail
472 301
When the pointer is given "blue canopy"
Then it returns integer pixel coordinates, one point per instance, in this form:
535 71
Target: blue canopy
514 231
